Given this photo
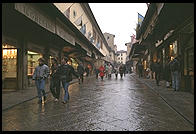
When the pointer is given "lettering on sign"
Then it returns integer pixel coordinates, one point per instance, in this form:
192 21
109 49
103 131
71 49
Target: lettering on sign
158 43
168 34
33 14
60 30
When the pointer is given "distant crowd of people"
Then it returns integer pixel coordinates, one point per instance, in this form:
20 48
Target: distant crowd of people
170 72
61 74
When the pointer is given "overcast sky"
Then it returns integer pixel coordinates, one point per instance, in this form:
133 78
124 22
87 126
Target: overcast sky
119 19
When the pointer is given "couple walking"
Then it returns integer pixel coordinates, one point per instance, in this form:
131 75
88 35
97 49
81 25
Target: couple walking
60 74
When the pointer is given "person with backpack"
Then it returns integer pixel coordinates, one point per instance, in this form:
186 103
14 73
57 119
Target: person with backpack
54 80
65 72
80 71
175 73
40 75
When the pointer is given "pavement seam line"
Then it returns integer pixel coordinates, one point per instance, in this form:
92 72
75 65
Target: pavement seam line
5 109
157 93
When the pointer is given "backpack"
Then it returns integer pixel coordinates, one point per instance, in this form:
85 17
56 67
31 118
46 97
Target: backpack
174 66
64 72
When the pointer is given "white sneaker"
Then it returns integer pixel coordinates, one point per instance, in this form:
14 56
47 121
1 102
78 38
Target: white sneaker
56 100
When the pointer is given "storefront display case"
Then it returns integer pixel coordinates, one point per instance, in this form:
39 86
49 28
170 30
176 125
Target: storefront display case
9 67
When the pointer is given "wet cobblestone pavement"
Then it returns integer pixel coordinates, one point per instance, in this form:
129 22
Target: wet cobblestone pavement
110 105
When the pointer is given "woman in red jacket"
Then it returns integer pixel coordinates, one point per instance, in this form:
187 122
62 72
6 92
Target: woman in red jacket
102 72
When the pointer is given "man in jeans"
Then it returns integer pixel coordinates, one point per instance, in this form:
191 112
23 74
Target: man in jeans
175 72
40 74
65 72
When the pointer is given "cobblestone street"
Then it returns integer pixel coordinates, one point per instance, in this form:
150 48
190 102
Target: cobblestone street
110 105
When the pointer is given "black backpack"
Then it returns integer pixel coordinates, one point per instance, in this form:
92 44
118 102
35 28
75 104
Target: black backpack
64 72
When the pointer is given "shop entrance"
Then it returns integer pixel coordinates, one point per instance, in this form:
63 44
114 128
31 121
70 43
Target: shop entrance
9 68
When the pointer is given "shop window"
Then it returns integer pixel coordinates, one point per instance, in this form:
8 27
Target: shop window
173 50
9 66
73 63
74 14
32 61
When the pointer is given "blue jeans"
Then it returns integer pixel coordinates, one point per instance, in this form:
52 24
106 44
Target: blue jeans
175 80
65 86
40 84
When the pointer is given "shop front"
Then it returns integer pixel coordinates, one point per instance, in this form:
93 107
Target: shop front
9 67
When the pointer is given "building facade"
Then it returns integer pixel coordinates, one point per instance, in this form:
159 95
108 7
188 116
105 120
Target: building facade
39 30
165 40
82 17
121 57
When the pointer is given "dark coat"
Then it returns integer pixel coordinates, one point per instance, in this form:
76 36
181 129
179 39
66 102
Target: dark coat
157 67
80 70
65 72
167 72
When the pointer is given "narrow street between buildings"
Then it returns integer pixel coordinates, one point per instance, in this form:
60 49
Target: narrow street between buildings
126 104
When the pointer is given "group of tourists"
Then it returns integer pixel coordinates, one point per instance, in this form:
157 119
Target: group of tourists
170 72
60 74
107 70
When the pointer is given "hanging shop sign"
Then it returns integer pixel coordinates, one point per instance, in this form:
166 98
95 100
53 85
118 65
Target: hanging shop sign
35 15
158 43
168 34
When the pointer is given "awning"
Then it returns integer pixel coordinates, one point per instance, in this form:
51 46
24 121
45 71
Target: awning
170 17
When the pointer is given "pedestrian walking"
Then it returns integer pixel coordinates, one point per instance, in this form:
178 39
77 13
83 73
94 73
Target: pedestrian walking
121 71
167 73
80 71
97 72
101 72
110 71
124 68
106 70
140 68
157 69
54 80
40 74
152 69
65 72
148 73
175 73
87 71
116 71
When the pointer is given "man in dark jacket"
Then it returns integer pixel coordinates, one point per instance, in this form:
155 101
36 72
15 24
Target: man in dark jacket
140 69
175 68
157 69
80 71
152 69
87 71
65 72
54 80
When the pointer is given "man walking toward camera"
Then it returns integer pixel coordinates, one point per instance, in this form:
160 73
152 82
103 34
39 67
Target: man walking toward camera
40 74
65 72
